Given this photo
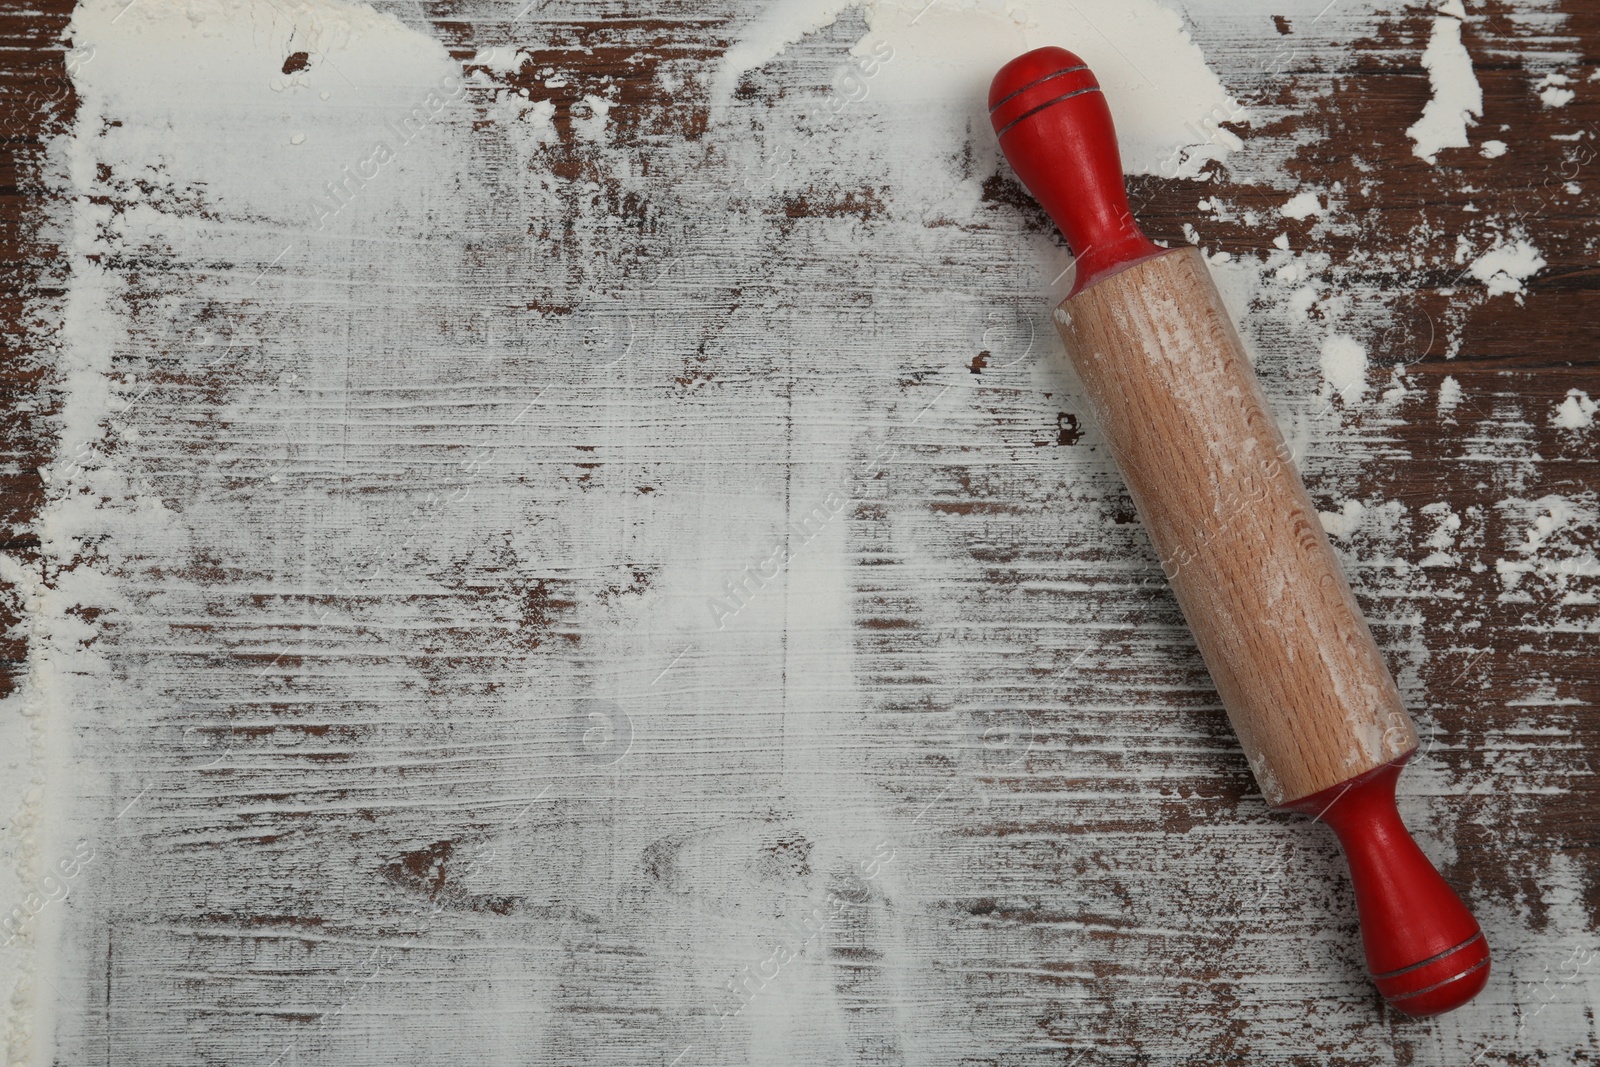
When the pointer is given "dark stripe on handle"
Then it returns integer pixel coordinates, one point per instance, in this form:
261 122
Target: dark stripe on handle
1037 81
1423 963
1399 999
1047 103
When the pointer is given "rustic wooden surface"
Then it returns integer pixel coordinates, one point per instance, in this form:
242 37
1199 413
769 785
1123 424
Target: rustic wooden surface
313 876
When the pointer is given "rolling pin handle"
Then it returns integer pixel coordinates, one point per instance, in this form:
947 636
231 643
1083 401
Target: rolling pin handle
1055 127
1425 951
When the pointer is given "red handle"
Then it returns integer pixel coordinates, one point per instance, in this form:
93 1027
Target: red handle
1425 951
1055 129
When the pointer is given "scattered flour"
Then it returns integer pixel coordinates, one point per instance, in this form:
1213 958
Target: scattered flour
1558 548
1576 412
1344 365
1492 149
1506 266
1302 206
1457 98
592 127
1552 91
1344 522
189 136
1168 105
1449 394
501 59
1447 525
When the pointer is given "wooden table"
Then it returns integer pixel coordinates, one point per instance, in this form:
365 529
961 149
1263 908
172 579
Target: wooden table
414 783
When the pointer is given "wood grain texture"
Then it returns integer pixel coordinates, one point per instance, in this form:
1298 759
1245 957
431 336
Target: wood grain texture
378 774
1215 484
37 105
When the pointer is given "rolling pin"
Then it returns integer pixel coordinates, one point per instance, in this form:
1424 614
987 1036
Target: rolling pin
1171 389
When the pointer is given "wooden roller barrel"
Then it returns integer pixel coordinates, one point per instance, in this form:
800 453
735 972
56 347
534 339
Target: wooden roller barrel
1172 390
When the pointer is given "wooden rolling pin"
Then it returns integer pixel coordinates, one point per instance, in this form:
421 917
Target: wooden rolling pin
1171 389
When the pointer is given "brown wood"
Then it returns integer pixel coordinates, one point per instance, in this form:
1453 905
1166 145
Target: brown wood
1171 388
1122 879
36 103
